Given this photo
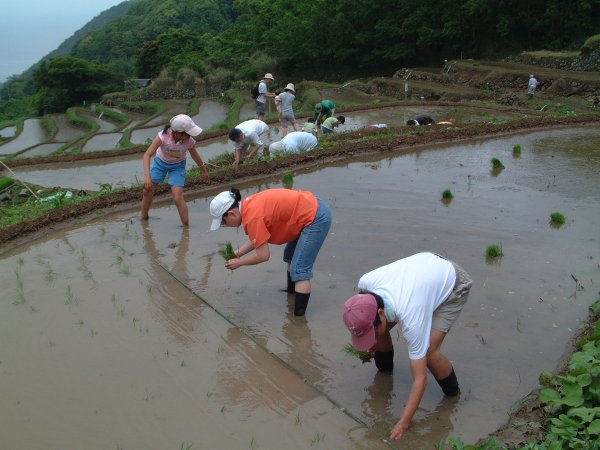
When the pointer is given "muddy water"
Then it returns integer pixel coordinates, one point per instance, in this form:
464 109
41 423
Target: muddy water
122 171
397 116
210 113
41 150
103 325
8 131
144 135
66 131
33 133
105 141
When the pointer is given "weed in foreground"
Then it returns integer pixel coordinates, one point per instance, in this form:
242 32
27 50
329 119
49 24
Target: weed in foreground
494 251
557 218
497 164
447 194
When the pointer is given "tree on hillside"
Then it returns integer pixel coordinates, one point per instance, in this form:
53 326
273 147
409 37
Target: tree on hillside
174 49
66 81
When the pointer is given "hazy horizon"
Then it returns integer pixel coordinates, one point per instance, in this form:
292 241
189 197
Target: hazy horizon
30 29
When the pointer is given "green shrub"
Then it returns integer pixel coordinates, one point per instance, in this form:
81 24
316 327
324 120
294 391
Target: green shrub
447 194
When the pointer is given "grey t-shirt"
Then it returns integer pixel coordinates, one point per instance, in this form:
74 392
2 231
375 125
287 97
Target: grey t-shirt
287 99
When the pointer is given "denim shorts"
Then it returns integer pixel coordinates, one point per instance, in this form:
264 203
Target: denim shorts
160 169
260 108
326 130
302 253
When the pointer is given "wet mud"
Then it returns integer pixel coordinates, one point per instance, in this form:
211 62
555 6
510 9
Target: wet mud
183 351
33 133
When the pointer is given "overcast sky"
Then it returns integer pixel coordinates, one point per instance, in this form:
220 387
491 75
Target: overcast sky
30 29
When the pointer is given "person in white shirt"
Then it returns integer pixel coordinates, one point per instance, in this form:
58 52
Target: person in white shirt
294 142
531 85
247 135
425 294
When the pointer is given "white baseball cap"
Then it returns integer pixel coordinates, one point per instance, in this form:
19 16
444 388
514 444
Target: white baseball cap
183 123
219 206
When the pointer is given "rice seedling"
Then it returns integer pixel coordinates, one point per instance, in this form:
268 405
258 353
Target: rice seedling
318 437
252 443
517 150
227 251
297 418
557 218
125 270
220 348
352 351
72 299
121 311
80 323
33 309
20 286
225 409
185 446
497 164
114 298
287 179
183 363
209 394
447 194
50 274
102 231
494 251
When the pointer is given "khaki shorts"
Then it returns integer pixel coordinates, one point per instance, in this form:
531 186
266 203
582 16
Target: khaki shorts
446 314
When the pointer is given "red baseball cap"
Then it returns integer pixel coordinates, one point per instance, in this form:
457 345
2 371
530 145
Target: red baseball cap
359 313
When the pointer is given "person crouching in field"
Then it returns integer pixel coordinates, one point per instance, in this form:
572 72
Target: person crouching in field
170 148
298 219
425 294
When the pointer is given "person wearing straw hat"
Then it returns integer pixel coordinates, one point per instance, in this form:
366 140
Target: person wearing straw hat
263 94
171 146
298 219
425 294
286 99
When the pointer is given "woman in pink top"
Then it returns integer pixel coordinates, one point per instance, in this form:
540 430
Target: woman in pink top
171 147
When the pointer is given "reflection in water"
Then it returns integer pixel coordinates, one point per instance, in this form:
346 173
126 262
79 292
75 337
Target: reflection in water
174 304
299 348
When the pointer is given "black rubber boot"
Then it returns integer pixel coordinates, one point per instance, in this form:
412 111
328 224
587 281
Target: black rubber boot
384 361
300 303
449 385
290 284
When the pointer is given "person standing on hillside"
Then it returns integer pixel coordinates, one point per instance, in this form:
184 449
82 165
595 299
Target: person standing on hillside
425 293
171 147
286 99
298 219
245 135
531 85
323 110
263 94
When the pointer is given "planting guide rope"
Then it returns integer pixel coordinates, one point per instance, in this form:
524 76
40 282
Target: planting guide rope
269 352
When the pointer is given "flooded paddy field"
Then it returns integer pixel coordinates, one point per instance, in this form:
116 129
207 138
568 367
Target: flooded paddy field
127 170
139 329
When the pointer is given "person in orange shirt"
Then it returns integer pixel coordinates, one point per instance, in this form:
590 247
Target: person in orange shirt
298 219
